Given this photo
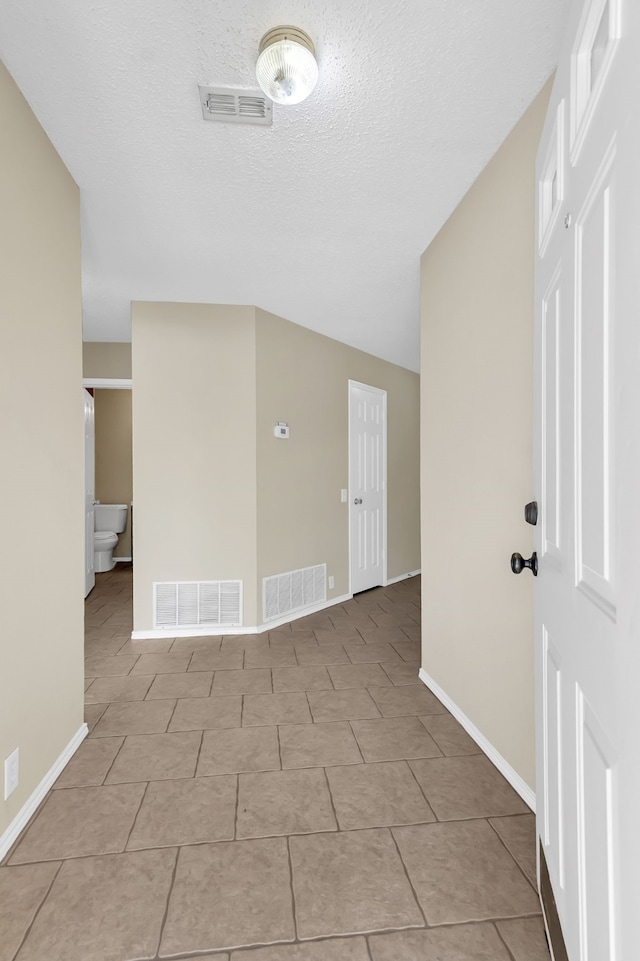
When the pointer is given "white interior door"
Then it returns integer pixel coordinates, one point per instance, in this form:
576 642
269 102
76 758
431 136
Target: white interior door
367 485
89 490
587 477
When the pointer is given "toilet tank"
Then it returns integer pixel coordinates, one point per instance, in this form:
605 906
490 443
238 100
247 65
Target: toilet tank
110 517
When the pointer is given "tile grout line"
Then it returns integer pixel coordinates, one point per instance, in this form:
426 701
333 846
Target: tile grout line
169 893
144 794
235 819
508 949
293 893
39 908
333 806
195 770
406 871
422 791
104 780
511 854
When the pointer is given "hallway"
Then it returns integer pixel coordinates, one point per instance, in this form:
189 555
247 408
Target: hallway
298 786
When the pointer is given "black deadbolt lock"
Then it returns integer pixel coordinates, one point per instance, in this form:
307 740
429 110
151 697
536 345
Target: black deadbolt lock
531 513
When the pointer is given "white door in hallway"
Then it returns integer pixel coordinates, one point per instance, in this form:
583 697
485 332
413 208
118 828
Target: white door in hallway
367 485
89 490
587 456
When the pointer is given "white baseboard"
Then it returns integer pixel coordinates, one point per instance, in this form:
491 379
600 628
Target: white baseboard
517 783
228 630
123 560
402 577
28 808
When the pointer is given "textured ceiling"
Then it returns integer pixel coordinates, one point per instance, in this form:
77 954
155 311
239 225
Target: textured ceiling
320 218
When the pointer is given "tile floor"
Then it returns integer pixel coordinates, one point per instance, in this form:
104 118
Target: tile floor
293 796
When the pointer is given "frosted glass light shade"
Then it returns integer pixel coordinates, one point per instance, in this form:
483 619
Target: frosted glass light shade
286 69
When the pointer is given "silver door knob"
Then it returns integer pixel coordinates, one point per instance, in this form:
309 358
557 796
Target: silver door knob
357 500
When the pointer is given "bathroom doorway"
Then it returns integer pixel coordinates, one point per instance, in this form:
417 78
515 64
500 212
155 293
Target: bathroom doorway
112 460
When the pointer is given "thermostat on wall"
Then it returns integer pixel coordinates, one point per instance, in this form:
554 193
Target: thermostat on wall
281 430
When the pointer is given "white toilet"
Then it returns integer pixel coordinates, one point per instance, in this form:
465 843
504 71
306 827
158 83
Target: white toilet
110 520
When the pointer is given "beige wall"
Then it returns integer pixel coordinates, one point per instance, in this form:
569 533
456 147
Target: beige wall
109 360
41 615
114 477
194 448
302 378
477 361
216 495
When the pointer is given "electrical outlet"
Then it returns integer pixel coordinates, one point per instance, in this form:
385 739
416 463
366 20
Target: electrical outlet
332 583
11 773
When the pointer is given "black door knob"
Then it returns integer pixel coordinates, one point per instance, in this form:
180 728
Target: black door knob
518 563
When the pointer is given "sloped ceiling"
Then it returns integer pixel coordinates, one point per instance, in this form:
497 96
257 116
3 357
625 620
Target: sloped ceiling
322 217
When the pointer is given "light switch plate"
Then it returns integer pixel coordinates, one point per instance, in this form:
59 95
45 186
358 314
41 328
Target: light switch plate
332 583
343 495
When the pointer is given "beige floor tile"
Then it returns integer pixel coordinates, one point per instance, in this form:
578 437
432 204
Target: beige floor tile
358 675
217 661
244 749
318 745
102 645
91 762
192 644
449 735
372 653
107 689
343 633
321 655
195 684
154 757
93 713
301 679
283 657
313 622
245 642
187 811
87 683
463 942
102 665
337 949
134 717
242 682
162 663
383 635
284 802
153 645
466 787
266 709
394 739
397 619
525 938
103 909
22 891
213 886
377 795
80 821
519 835
341 705
402 673
207 713
399 701
408 650
350 882
461 872
344 620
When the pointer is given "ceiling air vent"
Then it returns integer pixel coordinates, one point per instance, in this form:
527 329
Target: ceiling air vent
234 105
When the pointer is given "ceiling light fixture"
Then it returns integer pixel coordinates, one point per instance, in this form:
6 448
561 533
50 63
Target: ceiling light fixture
286 69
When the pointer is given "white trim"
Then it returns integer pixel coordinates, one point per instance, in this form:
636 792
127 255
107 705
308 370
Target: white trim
401 577
108 383
228 630
517 783
384 394
27 810
123 560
